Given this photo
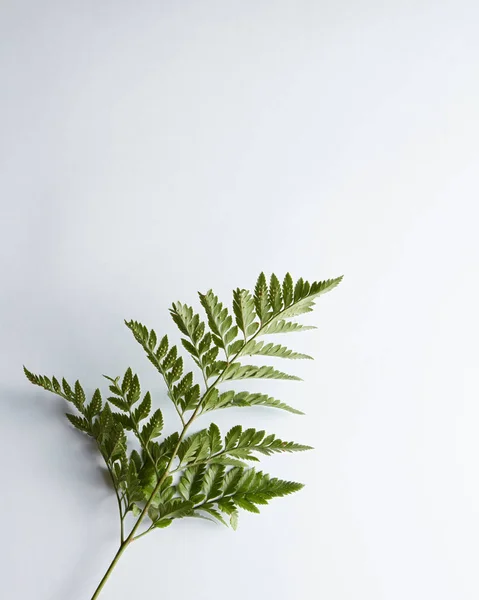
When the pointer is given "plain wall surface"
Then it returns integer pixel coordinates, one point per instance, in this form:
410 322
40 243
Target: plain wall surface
152 149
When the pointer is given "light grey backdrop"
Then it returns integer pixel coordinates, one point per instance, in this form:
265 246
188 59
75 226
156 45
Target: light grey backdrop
153 149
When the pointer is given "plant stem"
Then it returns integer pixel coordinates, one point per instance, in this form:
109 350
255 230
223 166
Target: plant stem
110 569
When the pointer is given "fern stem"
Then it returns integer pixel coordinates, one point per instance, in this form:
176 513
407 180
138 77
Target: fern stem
119 499
109 571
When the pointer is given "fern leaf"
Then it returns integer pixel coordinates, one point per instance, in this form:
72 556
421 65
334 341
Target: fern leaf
124 420
232 437
227 461
231 399
238 371
189 323
163 452
246 504
191 482
261 349
244 311
134 391
192 398
118 402
213 480
243 444
79 422
283 326
153 428
215 442
261 299
219 320
79 397
144 408
243 399
287 290
306 294
126 381
95 405
190 447
209 508
275 295
176 508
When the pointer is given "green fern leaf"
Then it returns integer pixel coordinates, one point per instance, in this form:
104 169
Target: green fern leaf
232 437
56 386
234 520
189 323
67 390
261 299
243 444
126 381
192 398
170 358
306 294
189 447
143 409
162 349
245 504
261 349
191 482
219 320
153 428
231 399
134 391
242 399
238 371
124 420
275 295
209 508
95 406
118 402
283 326
215 442
176 508
244 311
163 452
211 400
227 461
79 397
232 480
79 422
288 290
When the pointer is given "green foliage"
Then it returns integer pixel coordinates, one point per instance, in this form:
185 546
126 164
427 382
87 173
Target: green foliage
200 474
244 310
207 447
261 349
238 371
231 399
223 332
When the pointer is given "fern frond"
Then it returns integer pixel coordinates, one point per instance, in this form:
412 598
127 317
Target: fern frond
197 342
253 347
202 474
238 371
167 362
219 321
283 326
244 311
231 399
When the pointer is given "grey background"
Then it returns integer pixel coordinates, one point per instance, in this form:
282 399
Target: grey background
153 149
